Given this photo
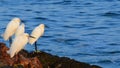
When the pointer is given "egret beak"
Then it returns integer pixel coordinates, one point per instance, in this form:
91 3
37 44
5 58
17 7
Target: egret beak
31 37
22 21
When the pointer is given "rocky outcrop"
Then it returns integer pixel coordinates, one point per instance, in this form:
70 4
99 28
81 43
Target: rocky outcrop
18 60
38 60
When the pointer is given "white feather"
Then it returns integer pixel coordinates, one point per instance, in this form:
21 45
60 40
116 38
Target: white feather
20 30
11 28
37 32
18 43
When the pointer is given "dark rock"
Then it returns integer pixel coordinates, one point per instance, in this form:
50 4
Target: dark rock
18 61
50 61
38 60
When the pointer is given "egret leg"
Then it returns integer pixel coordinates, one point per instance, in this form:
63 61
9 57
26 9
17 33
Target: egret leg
10 41
36 46
16 57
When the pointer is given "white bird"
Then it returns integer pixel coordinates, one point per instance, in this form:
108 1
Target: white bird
11 29
20 30
36 33
18 43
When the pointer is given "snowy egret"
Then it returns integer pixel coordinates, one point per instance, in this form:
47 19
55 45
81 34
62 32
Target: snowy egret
11 28
37 32
20 30
18 43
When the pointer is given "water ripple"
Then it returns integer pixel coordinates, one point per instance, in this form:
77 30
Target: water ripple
76 26
47 36
92 34
11 15
97 28
84 54
67 41
104 53
43 18
112 14
114 44
105 61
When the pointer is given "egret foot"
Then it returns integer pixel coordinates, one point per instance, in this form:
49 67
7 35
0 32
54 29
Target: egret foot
38 51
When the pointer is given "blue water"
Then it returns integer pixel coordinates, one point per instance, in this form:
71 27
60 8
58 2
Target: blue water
84 30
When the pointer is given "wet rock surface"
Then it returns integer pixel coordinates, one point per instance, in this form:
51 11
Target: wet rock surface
38 60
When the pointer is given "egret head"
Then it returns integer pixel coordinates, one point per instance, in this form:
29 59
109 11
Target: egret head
26 34
23 24
16 19
42 25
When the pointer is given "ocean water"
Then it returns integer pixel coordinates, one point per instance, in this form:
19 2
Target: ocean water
84 30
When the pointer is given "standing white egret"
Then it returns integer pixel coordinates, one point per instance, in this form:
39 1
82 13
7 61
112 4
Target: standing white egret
37 32
20 30
11 29
18 43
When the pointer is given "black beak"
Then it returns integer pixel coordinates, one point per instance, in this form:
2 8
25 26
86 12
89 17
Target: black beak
31 37
23 21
